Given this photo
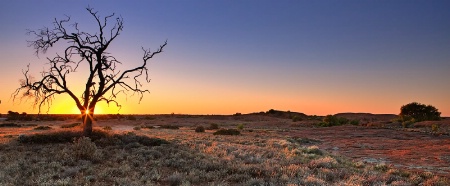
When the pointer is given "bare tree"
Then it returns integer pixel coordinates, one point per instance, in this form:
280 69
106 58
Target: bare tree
104 82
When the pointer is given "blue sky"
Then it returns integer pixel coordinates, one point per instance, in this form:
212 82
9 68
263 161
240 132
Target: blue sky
317 57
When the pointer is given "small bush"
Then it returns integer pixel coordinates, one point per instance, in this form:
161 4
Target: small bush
240 126
107 128
331 120
406 120
434 128
43 128
137 128
227 132
10 125
296 118
200 129
213 126
354 122
84 148
70 125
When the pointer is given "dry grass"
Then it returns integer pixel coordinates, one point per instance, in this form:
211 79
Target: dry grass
142 157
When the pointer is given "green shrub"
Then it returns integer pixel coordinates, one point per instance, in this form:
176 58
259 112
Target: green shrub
406 120
70 125
43 128
213 126
200 129
296 118
331 120
354 122
227 132
420 112
240 126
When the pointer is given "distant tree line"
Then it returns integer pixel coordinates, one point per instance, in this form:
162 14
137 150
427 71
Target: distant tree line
17 116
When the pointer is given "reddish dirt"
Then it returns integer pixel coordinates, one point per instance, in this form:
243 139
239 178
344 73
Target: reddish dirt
413 150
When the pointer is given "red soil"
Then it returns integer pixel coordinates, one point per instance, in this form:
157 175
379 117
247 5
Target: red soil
413 150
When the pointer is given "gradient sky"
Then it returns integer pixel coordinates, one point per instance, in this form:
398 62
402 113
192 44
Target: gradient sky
223 57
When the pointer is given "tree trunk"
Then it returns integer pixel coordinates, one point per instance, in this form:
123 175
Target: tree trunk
87 123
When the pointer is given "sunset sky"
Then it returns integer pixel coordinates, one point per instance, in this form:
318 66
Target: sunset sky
223 57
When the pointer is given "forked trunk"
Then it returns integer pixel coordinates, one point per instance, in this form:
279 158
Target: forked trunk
87 123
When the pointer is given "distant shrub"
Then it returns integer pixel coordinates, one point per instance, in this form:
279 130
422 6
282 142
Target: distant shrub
354 122
227 132
296 118
137 128
10 125
200 129
43 128
213 126
149 118
169 127
331 120
240 126
420 112
107 128
237 114
131 117
70 125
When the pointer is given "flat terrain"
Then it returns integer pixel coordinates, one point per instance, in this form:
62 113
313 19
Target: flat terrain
264 140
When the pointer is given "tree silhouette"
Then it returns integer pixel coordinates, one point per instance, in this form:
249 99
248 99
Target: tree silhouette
104 81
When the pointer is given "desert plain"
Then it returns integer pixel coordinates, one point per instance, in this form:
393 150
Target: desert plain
271 149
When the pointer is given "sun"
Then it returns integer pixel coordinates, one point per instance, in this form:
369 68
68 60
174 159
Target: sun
87 111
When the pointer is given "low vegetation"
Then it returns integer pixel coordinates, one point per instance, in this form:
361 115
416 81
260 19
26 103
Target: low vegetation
169 127
213 126
258 155
71 125
10 125
42 128
227 132
188 158
200 129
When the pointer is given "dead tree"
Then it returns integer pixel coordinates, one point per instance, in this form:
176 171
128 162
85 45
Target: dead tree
105 80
